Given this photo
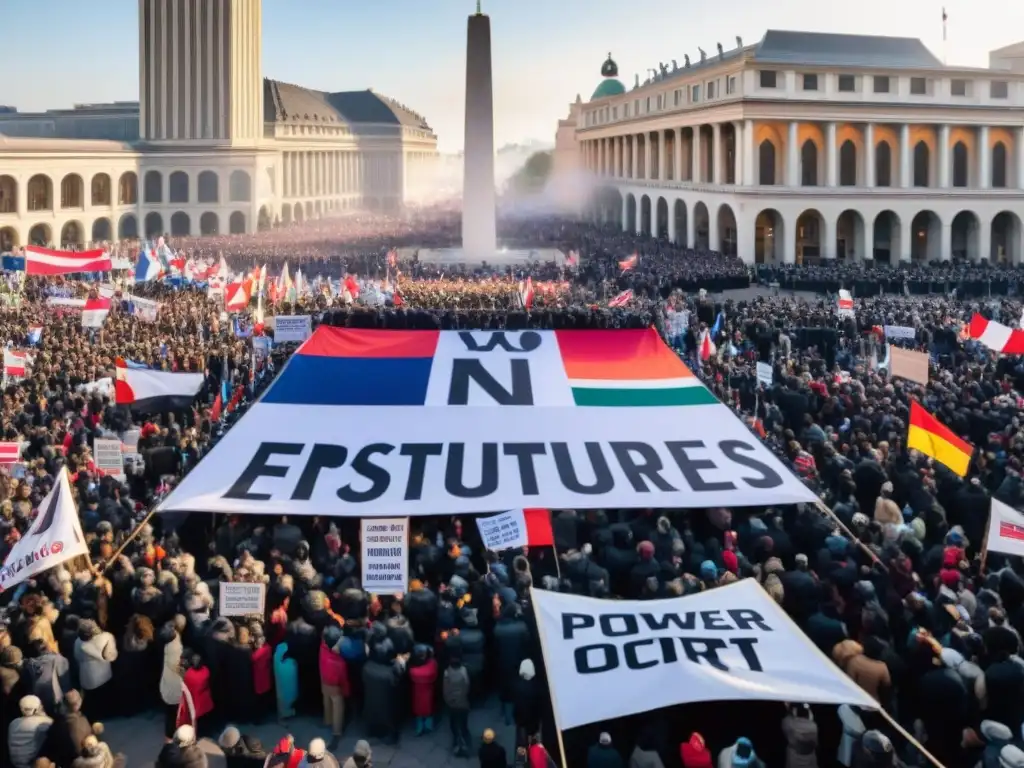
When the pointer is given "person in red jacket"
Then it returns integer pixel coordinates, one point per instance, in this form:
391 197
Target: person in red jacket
334 684
196 692
262 671
423 676
694 753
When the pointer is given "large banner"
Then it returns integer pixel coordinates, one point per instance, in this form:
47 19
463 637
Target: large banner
732 643
54 537
1005 530
396 423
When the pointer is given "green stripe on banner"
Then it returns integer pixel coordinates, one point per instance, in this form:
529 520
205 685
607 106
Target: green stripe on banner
628 398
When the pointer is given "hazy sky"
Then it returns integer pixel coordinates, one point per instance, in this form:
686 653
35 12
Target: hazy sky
545 51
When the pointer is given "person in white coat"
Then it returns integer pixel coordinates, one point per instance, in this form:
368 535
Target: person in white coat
95 652
170 676
27 734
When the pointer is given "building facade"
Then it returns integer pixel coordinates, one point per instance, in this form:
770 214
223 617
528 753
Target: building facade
216 148
814 146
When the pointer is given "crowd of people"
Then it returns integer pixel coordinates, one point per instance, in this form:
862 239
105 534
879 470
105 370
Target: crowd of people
905 608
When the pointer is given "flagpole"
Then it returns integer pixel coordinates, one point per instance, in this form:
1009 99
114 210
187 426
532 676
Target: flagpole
131 537
547 670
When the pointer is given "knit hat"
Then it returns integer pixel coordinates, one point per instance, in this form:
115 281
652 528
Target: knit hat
185 735
646 550
993 731
362 749
732 563
604 739
1011 756
30 705
317 749
708 570
230 737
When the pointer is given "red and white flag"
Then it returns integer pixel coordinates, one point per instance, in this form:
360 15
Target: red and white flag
10 453
622 299
996 336
526 293
43 261
392 258
95 312
237 295
845 303
707 347
627 264
14 364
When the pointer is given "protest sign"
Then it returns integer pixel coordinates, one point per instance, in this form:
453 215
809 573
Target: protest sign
765 374
292 328
385 548
733 643
1005 530
504 531
241 598
108 455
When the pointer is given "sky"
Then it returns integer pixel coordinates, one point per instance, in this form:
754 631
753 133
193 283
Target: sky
545 51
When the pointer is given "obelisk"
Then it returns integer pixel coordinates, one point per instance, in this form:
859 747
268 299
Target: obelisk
479 235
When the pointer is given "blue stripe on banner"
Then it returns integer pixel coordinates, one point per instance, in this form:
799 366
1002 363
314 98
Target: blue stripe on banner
317 380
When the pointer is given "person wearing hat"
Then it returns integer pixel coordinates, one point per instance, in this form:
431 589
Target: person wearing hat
241 751
360 757
875 751
317 756
95 652
182 751
69 729
491 754
11 690
27 734
603 754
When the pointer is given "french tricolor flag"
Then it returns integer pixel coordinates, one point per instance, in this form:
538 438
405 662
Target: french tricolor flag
148 266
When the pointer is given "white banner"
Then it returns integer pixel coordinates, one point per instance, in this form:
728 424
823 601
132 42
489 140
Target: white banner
145 309
241 598
900 332
395 429
504 531
1005 530
731 643
765 374
385 550
54 537
292 328
108 455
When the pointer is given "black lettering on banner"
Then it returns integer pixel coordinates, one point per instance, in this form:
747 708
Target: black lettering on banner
662 622
691 467
648 466
379 478
258 468
456 466
573 621
697 649
746 646
746 618
609 658
603 480
524 453
627 622
528 341
418 453
323 456
632 659
712 620
465 370
769 477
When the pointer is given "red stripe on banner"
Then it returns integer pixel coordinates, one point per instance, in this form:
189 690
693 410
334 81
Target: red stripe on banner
9 452
43 261
1011 531
328 341
538 528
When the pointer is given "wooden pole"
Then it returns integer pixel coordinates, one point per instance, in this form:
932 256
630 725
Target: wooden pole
903 732
131 537
984 543
824 509
547 669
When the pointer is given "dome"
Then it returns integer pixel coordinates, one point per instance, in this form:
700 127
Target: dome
608 87
609 68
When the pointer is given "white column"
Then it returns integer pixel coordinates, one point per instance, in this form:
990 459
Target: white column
944 152
829 237
662 160
634 152
945 241
716 153
985 241
671 222
984 164
740 149
677 158
831 175
793 157
647 157
869 155
691 230
749 151
714 235
625 210
906 178
695 174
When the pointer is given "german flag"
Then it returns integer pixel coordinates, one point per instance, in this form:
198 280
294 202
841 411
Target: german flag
932 438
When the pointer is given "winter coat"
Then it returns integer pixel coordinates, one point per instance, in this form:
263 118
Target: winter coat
173 756
423 679
645 758
48 677
456 687
492 756
170 675
527 702
334 670
801 742
1004 694
247 753
512 645
286 681
263 669
421 609
99 757
600 756
198 683
136 676
25 739
65 737
379 696
95 657
236 703
326 761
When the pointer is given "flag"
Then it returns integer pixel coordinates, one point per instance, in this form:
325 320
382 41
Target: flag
14 364
880 365
717 327
933 438
54 537
996 336
627 264
148 267
10 452
95 312
845 303
622 299
945 18
352 287
42 261
237 295
392 258
150 390
35 334
707 347
526 293
573 259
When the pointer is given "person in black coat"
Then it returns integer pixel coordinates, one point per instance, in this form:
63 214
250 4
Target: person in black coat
491 753
241 751
11 690
527 701
420 608
380 684
70 728
238 678
137 668
511 644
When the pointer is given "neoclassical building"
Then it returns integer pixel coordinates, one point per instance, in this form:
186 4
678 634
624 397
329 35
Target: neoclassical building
218 148
809 146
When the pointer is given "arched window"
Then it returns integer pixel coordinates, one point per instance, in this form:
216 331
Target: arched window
999 165
153 188
809 164
178 187
922 161
848 164
766 162
208 187
239 187
883 164
960 174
